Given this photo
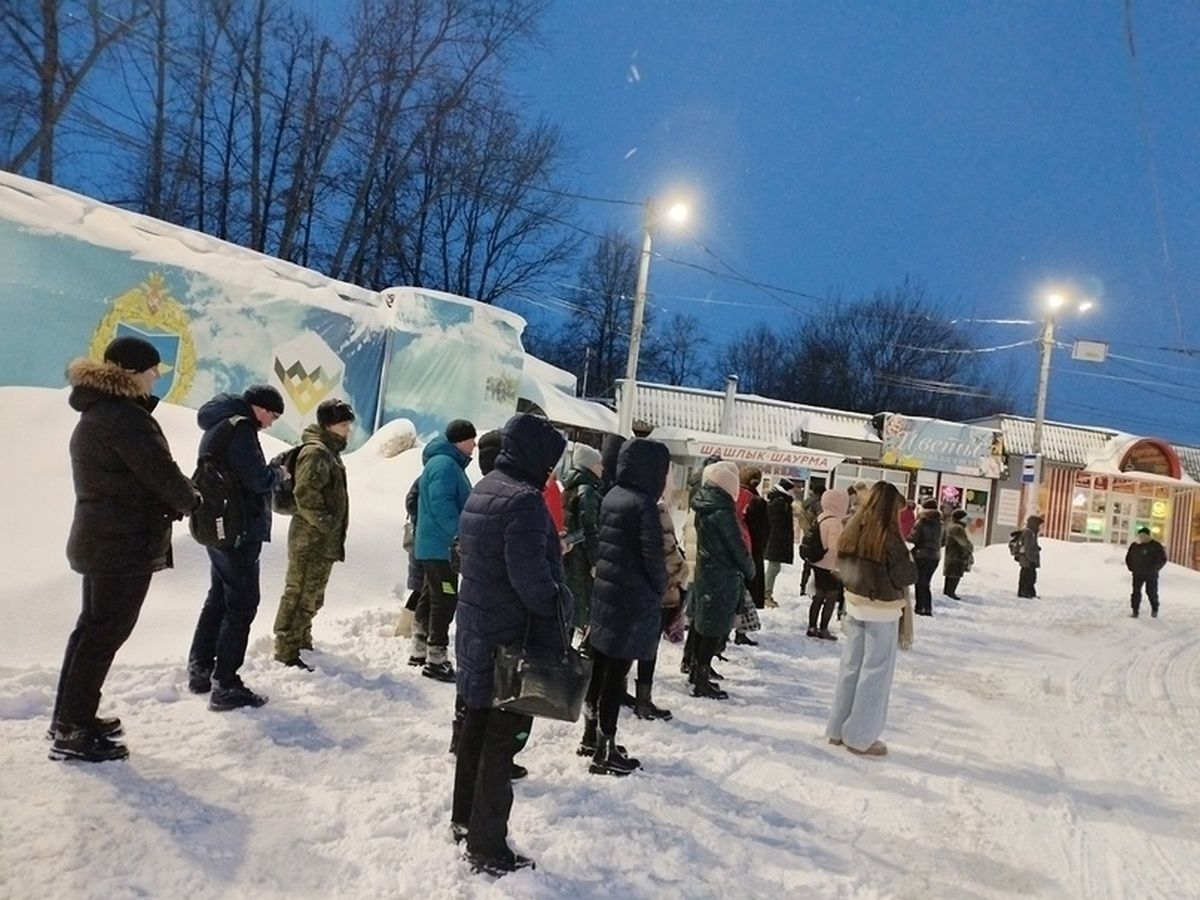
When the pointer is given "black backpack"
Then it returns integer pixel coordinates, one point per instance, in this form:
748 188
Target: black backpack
283 497
220 519
1016 545
812 548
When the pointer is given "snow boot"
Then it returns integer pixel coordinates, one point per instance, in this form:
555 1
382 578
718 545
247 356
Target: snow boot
878 748
703 686
297 663
741 637
417 649
587 744
825 635
236 695
110 728
610 758
645 708
86 745
812 631
517 772
199 678
439 671
498 866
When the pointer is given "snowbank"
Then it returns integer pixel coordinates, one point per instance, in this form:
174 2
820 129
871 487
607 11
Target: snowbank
1039 748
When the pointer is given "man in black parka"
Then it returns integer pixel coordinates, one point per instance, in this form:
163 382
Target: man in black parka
128 490
781 541
512 586
631 578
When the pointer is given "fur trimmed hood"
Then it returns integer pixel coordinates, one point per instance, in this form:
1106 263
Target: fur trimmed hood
93 381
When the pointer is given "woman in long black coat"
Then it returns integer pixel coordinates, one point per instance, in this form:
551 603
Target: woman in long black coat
631 578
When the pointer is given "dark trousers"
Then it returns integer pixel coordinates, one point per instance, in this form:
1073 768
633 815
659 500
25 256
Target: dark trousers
435 608
705 649
111 604
1150 581
606 689
483 797
219 644
804 576
826 592
924 593
645 667
1027 582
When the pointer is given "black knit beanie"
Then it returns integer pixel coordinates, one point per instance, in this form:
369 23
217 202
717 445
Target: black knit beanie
265 396
132 353
459 430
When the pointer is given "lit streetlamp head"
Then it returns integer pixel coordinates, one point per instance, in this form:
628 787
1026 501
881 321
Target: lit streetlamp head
678 213
1055 301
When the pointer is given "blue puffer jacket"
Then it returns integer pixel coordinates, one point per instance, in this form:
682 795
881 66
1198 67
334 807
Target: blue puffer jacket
631 574
243 454
442 494
511 560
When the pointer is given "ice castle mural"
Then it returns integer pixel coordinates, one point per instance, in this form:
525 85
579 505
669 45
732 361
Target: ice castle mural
77 273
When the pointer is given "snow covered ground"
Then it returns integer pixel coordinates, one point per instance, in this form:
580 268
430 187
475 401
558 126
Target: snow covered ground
1040 748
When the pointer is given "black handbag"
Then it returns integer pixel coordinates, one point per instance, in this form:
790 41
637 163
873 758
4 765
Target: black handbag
543 682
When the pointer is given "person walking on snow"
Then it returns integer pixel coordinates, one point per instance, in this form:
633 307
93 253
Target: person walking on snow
781 539
876 569
960 553
1144 559
441 496
1030 558
128 490
223 629
926 553
317 536
827 587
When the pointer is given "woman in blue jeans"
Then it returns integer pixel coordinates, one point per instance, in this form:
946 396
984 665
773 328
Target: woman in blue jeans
876 569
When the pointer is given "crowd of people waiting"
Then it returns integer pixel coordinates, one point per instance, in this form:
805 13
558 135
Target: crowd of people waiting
600 555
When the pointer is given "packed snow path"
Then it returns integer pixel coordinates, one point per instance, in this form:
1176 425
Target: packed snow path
1038 748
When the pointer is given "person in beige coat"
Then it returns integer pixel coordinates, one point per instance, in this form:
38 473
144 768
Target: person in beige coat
826 586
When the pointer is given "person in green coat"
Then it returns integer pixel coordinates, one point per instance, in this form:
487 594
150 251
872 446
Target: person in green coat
724 568
960 553
317 536
583 489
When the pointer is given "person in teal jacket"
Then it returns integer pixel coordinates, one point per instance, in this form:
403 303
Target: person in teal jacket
442 493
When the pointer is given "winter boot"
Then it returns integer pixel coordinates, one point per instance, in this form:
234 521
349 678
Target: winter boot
1154 611
86 745
297 663
110 728
704 687
417 648
770 600
825 635
199 678
645 708
499 866
438 667
610 758
517 772
741 637
587 744
234 695
950 589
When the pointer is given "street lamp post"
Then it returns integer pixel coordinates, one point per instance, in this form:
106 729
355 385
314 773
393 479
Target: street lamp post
1055 303
628 399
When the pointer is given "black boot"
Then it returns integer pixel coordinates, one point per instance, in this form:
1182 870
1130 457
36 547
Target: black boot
86 745
234 696
704 686
587 744
199 678
645 708
950 589
742 638
610 758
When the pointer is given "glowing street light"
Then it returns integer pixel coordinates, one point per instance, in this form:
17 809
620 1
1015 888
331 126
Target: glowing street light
676 213
1056 303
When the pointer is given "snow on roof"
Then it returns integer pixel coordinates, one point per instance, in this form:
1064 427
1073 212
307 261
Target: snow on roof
755 418
553 390
1107 459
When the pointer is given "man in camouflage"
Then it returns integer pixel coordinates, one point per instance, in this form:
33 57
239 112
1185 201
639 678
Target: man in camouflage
317 536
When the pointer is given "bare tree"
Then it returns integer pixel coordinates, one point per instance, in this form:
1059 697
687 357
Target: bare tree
759 357
679 353
597 324
897 351
55 45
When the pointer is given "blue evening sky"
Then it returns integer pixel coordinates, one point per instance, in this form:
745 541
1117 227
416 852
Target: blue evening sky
987 149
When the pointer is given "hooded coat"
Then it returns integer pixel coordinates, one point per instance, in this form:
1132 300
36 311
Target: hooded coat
927 535
441 497
960 552
512 571
631 574
835 503
1031 550
318 528
128 488
781 541
724 567
244 456
582 494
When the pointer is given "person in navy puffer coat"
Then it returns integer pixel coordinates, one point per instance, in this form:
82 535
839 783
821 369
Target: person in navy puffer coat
512 580
631 578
